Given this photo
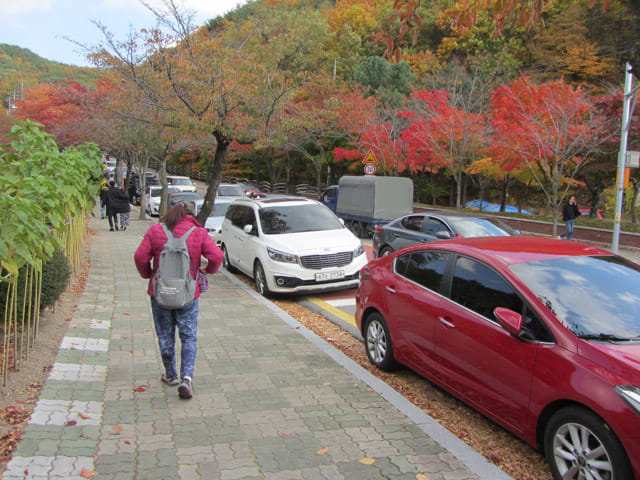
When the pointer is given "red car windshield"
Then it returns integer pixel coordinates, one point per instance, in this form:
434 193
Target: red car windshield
594 297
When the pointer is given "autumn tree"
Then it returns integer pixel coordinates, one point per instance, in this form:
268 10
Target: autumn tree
552 130
450 123
323 114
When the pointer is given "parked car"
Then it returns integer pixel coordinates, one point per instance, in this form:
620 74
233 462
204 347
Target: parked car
154 193
230 190
503 324
428 227
184 184
253 191
290 245
188 197
135 193
216 217
586 213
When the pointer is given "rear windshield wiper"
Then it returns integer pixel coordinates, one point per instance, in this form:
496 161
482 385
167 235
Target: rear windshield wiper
607 337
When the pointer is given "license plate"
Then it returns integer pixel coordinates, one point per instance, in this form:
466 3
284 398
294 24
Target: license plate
323 276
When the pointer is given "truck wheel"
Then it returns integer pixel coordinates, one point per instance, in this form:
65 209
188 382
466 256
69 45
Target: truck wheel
356 228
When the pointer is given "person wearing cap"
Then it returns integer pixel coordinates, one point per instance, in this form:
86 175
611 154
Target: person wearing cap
178 221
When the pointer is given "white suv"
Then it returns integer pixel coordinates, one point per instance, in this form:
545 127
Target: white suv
290 245
183 184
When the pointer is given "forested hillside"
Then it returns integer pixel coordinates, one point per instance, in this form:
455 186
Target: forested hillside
497 98
21 69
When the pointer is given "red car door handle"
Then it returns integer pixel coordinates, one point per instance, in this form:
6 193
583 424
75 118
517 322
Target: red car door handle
446 323
390 289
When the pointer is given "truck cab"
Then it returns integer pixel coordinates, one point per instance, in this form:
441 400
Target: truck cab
330 197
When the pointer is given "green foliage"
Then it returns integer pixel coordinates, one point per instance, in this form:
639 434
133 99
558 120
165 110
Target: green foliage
390 82
56 273
41 189
55 278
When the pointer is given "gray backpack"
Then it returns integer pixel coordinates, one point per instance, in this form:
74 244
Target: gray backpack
173 285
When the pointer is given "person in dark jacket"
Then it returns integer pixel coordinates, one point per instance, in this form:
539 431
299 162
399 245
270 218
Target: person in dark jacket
178 220
103 198
569 214
117 204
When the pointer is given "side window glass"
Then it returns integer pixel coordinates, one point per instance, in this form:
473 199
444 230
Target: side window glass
248 218
481 289
236 216
413 223
400 265
533 328
425 268
433 226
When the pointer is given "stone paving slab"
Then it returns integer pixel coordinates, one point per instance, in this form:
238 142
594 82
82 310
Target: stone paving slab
272 400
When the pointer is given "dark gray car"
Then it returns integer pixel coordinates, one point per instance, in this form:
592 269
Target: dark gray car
423 228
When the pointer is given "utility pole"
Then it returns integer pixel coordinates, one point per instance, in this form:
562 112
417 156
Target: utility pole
622 154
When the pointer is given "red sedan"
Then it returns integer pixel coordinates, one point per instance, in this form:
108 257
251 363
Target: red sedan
540 335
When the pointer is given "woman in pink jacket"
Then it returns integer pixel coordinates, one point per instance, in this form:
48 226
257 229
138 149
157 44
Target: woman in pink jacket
178 220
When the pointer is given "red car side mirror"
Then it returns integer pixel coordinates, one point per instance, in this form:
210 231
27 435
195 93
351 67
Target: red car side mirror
509 320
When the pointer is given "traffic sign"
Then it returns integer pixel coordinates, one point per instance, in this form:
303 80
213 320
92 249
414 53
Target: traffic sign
369 158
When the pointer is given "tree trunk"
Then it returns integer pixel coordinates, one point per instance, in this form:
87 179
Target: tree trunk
505 192
214 176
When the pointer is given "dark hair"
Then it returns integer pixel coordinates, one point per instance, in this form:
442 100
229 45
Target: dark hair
112 182
174 215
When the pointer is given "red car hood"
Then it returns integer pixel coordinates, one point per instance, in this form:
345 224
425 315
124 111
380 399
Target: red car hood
622 360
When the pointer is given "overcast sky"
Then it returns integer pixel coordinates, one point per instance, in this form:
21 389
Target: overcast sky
42 25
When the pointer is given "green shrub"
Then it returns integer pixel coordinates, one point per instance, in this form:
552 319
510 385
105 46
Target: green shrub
55 278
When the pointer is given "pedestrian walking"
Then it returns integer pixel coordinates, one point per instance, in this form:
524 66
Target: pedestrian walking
117 204
569 214
179 222
103 198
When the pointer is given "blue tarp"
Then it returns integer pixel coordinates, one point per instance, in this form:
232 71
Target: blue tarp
493 207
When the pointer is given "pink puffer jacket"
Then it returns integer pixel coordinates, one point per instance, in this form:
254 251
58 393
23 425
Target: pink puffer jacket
199 244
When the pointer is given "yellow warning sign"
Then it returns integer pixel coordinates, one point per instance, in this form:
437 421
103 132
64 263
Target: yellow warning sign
369 158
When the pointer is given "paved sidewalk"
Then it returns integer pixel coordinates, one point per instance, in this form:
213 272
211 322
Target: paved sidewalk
272 400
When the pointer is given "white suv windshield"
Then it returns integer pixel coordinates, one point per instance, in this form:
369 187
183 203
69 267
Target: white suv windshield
298 218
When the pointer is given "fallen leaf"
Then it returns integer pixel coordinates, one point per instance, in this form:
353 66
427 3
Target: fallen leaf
128 442
71 423
126 313
117 428
286 434
326 384
322 451
420 476
140 389
367 460
86 473
83 416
